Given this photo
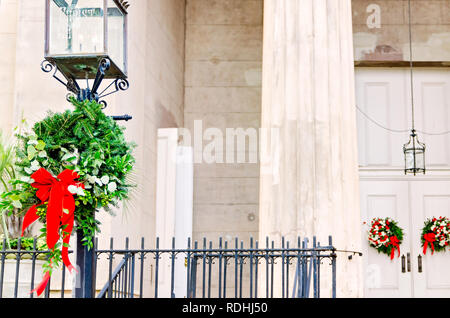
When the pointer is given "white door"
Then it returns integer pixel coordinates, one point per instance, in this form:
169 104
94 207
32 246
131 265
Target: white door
383 97
384 277
429 199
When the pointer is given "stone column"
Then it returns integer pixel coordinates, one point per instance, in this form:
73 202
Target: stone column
309 167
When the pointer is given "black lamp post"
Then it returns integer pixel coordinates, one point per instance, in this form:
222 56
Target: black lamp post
87 40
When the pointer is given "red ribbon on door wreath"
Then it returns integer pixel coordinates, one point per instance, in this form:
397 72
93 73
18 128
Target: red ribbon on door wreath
393 240
429 238
60 212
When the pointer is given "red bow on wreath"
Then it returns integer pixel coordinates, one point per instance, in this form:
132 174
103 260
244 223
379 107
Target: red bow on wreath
393 240
60 212
429 238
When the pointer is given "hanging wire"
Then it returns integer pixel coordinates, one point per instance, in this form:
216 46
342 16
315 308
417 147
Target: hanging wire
380 125
434 134
400 131
411 65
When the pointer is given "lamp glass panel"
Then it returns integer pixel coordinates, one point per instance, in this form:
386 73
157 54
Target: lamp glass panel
420 160
409 157
116 35
76 27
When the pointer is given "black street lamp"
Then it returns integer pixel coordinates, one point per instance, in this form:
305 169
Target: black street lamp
87 40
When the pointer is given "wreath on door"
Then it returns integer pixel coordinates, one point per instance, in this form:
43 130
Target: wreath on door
385 236
436 234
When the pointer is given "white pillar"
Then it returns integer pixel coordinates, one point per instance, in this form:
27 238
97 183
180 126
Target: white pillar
174 207
309 180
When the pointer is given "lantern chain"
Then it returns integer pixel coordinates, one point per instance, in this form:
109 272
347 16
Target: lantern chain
411 66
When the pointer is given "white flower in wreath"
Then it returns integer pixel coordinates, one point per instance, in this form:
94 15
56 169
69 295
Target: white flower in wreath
76 190
34 167
98 181
71 157
27 179
90 179
104 180
112 187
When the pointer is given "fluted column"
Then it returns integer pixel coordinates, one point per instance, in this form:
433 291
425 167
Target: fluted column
309 169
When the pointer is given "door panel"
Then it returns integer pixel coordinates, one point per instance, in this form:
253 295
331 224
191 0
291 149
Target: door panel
383 96
432 92
383 276
429 199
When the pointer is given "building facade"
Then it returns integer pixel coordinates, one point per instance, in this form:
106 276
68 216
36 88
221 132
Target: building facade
267 94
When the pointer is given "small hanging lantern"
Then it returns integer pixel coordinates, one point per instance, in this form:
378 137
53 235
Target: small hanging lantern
414 152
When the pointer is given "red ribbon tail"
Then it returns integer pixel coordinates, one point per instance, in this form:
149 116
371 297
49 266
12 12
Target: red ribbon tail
429 239
54 215
29 218
66 260
395 247
66 240
41 287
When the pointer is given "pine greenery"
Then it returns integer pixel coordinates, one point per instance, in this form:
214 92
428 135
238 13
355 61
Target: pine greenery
84 140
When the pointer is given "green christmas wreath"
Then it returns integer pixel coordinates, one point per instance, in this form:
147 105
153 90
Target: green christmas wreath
385 236
436 234
82 157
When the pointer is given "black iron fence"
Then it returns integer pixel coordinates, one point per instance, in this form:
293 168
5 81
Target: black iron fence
22 269
198 270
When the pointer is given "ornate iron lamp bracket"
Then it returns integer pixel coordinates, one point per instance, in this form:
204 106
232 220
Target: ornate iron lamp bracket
119 84
71 84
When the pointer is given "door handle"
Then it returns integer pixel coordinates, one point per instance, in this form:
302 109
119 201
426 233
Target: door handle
419 262
403 264
408 256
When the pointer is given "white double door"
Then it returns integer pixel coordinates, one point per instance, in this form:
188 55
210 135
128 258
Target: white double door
384 98
413 274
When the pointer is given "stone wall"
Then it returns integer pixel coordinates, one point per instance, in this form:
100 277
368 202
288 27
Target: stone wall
223 90
381 30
